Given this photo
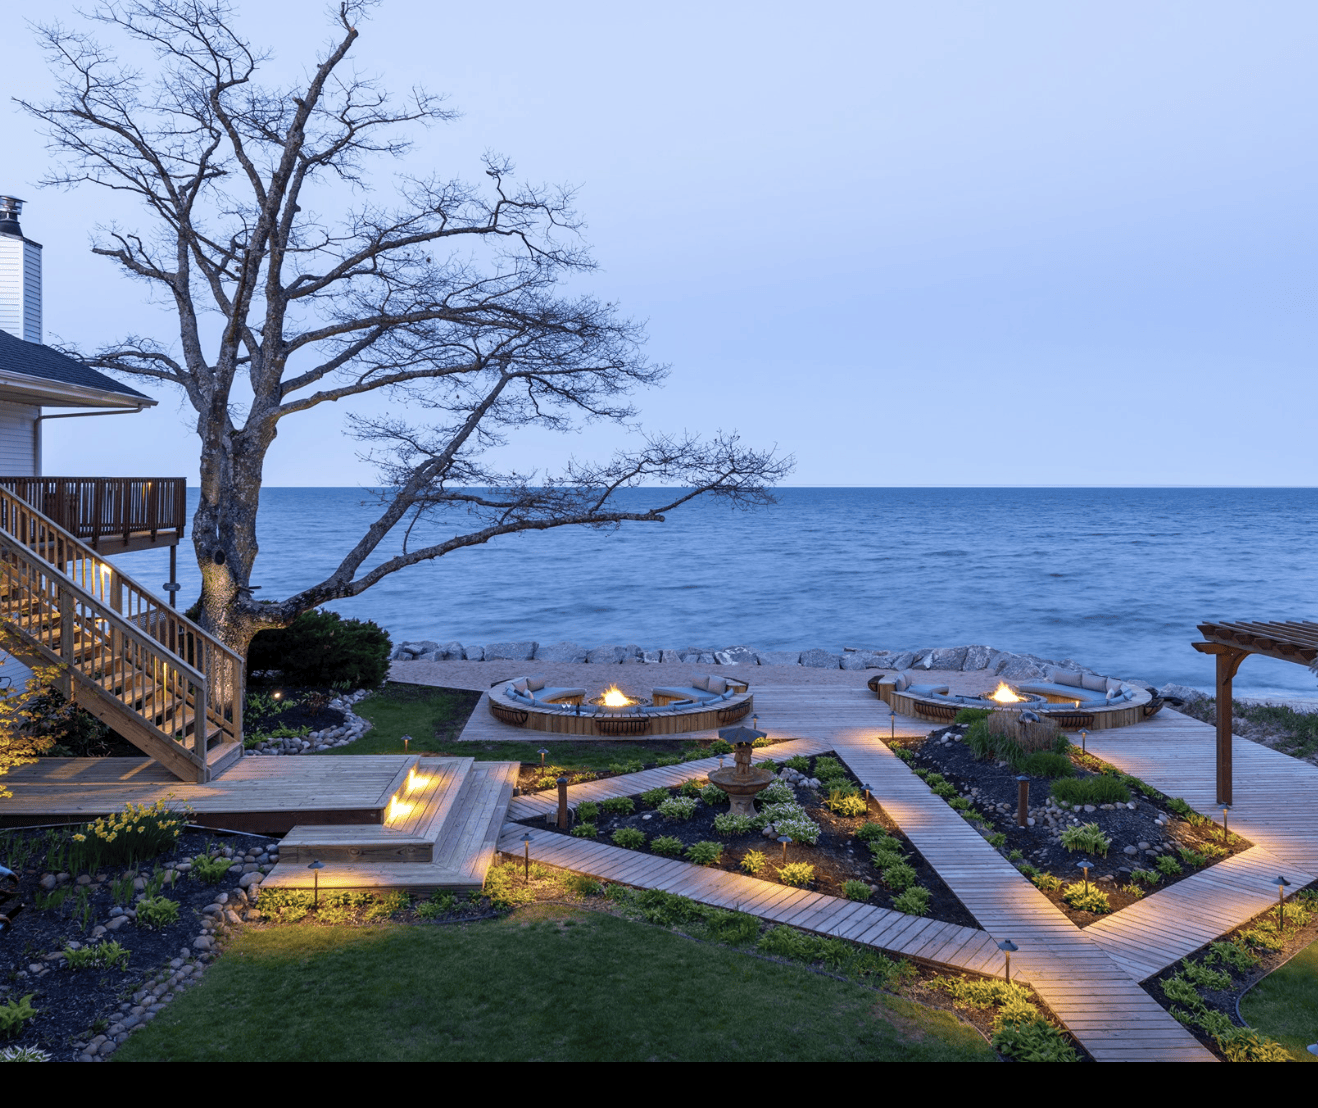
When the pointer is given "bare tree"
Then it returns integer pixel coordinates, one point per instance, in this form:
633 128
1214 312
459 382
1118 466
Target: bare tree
447 300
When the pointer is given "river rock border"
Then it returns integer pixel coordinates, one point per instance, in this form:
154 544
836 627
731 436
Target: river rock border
352 729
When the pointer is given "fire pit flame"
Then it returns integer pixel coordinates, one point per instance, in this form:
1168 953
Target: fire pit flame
614 697
1005 694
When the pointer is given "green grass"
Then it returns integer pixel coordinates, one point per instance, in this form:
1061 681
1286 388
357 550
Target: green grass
545 984
1284 1005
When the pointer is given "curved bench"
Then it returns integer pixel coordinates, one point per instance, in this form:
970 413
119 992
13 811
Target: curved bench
697 707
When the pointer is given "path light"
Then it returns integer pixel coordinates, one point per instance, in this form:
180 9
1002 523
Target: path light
1007 946
1282 885
1225 808
562 801
784 839
406 739
526 845
1083 735
892 726
1022 800
1084 864
867 797
755 721
542 752
315 868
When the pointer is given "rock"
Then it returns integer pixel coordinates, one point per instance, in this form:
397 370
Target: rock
859 659
1129 850
977 657
606 655
48 881
778 657
249 879
923 659
736 656
820 659
651 657
423 646
1020 669
1183 692
669 656
474 653
948 657
509 651
903 660
203 942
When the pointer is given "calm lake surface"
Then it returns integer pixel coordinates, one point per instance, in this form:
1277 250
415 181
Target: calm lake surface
1114 578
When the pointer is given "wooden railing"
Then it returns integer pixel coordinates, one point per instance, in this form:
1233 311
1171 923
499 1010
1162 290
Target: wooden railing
111 508
125 635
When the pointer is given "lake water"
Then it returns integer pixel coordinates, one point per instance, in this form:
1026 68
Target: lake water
1114 578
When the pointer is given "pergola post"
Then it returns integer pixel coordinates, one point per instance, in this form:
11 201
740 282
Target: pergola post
1228 662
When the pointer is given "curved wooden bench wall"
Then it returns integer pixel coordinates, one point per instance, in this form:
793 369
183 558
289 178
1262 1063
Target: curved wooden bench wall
618 725
1097 719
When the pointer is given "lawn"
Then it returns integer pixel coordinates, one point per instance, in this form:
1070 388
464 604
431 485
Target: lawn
548 982
1284 1005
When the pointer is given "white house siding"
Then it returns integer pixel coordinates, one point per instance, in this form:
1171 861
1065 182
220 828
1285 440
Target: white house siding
20 288
20 442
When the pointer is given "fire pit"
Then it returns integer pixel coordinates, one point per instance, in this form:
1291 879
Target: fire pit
1005 695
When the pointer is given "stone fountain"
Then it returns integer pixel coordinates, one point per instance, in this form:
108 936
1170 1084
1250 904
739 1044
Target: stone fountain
741 780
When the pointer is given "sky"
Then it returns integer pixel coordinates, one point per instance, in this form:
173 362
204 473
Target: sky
908 244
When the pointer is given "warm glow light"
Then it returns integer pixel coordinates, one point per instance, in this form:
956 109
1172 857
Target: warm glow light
614 697
1003 694
416 780
398 809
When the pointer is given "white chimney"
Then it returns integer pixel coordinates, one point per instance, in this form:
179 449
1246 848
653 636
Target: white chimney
20 275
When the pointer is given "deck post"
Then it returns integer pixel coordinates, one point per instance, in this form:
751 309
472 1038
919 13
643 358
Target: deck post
1228 662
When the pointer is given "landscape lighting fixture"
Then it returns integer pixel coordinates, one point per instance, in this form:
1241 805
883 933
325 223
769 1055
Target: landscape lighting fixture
1007 946
542 752
315 868
1084 864
1282 884
526 845
784 839
1083 735
1225 808
1023 800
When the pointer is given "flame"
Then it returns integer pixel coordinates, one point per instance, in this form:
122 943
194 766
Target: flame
614 697
1004 694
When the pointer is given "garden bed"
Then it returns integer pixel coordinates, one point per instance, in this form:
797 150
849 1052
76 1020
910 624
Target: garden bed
1153 840
838 857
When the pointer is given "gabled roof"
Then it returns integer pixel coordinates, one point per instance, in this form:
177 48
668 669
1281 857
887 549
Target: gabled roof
37 374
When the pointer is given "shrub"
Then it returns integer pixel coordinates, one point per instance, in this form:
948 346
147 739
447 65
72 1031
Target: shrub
720 746
787 942
585 831
705 853
1243 1044
1168 865
970 715
738 928
871 832
103 954
754 862
1087 837
1098 789
798 762
678 807
690 789
799 874
855 890
322 648
1031 1039
712 795
668 845
800 829
15 1013
633 766
1233 954
1087 899
633 838
211 870
1203 977
582 884
984 743
588 811
899 877
1045 882
997 840
846 805
654 797
157 912
1044 763
779 792
1191 858
732 823
1147 876
914 901
618 805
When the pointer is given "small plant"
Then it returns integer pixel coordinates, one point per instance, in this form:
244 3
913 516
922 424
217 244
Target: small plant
127 837
1087 899
780 792
959 803
23 1054
631 766
997 840
914 901
668 845
588 811
798 762
107 955
1132 890
15 1013
121 889
732 823
846 804
720 746
801 829
1180 807
585 831
899 877
1046 882
754 862
1243 1044
632 838
705 853
871 832
582 884
887 852
690 789
1015 856
1099 789
618 805
1087 837
1146 876
1045 763
970 715
157 912
210 869
799 874
1191 858
904 754
1213 850
668 760
736 928
1233 954
1204 977
712 795
856 890
678 807
1167 865
654 797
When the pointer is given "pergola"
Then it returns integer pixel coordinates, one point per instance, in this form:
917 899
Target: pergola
1232 642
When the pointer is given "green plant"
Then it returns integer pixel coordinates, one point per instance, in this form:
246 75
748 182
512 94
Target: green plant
102 955
678 807
1133 890
157 912
1015 856
905 755
885 853
1031 1039
855 890
1097 789
1147 876
15 1013
654 797
585 831
322 648
754 862
846 804
1167 865
23 1054
705 853
1190 857
899 877
1046 882
997 840
588 811
1243 1044
737 928
1233 954
136 833
732 823
1203 977
712 795
1213 850
720 746
633 838
630 766
668 760
1087 837
779 792
1044 763
668 845
1180 807
1087 899
970 715
582 884
799 874
959 803
210 869
798 762
618 805
787 942
914 901
871 832
690 789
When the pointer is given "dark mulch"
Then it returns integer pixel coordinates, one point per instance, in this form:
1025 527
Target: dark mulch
838 857
267 710
72 1005
992 789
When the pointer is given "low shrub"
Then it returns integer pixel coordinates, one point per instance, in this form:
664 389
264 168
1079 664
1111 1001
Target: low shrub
1146 876
618 805
871 832
856 890
754 862
633 838
1191 858
678 807
157 912
1097 789
654 797
787 942
736 928
635 765
588 811
1031 1039
582 884
690 789
713 795
1045 882
846 804
798 762
585 831
720 746
705 853
1233 954
1087 899
321 648
668 845
1167 865
899 877
779 792
15 1013
798 874
104 954
914 901
1087 837
970 715
732 823
211 869
1045 763
1243 1044
127 838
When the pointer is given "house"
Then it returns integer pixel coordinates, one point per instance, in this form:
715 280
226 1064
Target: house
127 656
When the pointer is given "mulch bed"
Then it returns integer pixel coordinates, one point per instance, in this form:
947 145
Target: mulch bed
295 708
837 857
992 789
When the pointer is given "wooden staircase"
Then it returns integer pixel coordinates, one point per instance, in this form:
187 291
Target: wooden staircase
124 655
440 832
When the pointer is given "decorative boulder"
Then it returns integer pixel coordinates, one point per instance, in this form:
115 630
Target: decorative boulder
820 659
560 652
510 651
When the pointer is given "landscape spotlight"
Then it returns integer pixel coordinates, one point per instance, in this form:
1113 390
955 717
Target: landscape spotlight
1007 946
1083 735
784 839
542 752
1225 808
1084 864
1282 884
315 868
